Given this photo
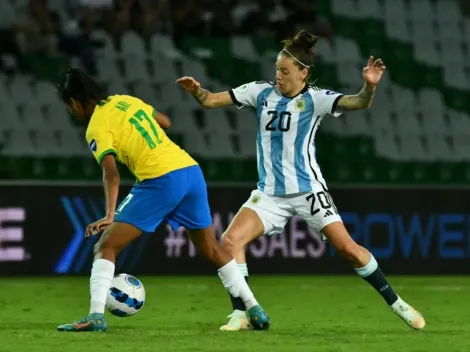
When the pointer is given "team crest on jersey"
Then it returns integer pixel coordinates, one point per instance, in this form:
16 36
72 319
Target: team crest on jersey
93 146
255 199
300 104
243 88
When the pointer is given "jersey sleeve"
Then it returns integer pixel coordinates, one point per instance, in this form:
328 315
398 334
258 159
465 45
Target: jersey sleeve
247 94
100 142
326 102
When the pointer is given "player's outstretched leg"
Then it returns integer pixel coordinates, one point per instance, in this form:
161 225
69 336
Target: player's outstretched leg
230 274
116 237
366 267
245 227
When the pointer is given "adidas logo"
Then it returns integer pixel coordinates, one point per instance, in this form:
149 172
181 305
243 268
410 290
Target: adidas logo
328 213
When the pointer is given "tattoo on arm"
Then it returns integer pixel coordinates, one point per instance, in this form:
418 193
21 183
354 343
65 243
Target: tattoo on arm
360 101
201 96
366 95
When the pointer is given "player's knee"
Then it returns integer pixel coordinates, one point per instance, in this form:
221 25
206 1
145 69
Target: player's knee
231 243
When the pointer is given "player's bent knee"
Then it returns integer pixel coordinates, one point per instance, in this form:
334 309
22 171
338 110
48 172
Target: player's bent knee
232 243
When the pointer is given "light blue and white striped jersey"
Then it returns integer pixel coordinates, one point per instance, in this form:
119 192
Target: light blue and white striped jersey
286 132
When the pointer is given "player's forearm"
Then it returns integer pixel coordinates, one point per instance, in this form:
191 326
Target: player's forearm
212 100
111 191
361 100
366 96
201 95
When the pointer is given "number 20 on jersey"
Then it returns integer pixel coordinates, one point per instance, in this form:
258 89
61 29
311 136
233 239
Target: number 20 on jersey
280 121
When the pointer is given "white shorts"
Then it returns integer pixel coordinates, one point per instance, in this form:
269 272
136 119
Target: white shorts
316 208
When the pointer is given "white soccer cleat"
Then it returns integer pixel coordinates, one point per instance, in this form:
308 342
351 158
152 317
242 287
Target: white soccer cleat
408 314
237 321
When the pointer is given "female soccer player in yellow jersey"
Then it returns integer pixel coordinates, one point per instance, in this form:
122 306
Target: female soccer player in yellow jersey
170 187
290 180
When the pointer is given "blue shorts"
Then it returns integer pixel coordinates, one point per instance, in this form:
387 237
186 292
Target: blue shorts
179 198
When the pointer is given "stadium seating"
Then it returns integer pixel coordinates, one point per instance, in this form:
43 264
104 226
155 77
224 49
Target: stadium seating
417 131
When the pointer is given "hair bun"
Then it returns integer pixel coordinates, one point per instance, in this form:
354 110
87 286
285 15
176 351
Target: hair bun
305 40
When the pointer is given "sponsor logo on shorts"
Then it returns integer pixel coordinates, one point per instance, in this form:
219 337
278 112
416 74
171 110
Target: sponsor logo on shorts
255 199
328 213
330 92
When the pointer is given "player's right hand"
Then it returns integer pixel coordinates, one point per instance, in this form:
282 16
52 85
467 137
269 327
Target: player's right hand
98 226
189 84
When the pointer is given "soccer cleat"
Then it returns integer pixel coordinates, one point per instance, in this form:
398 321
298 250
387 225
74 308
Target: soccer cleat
408 314
259 320
95 322
237 321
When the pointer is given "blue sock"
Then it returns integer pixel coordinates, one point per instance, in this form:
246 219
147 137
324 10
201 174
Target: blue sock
374 276
237 302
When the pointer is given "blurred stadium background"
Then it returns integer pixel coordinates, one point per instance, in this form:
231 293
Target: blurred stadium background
416 131
398 172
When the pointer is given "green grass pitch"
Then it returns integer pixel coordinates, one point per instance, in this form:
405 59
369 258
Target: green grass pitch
184 314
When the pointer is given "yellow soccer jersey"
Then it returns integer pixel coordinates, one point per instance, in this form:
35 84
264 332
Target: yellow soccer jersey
125 126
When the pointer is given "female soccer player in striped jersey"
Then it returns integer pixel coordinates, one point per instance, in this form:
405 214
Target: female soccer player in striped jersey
290 181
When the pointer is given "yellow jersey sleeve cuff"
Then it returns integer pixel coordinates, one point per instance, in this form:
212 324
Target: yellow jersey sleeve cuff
106 152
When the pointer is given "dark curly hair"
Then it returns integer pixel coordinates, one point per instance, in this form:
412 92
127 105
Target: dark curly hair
77 84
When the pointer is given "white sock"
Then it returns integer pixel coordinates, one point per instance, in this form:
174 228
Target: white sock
243 269
235 283
102 274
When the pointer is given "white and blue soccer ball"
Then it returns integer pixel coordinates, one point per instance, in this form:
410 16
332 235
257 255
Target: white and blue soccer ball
126 296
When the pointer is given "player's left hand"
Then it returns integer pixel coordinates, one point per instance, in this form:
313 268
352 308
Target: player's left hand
372 73
98 226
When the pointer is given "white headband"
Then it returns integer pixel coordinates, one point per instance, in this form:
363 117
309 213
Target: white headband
300 62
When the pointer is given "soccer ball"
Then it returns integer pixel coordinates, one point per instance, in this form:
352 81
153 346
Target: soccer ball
126 296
